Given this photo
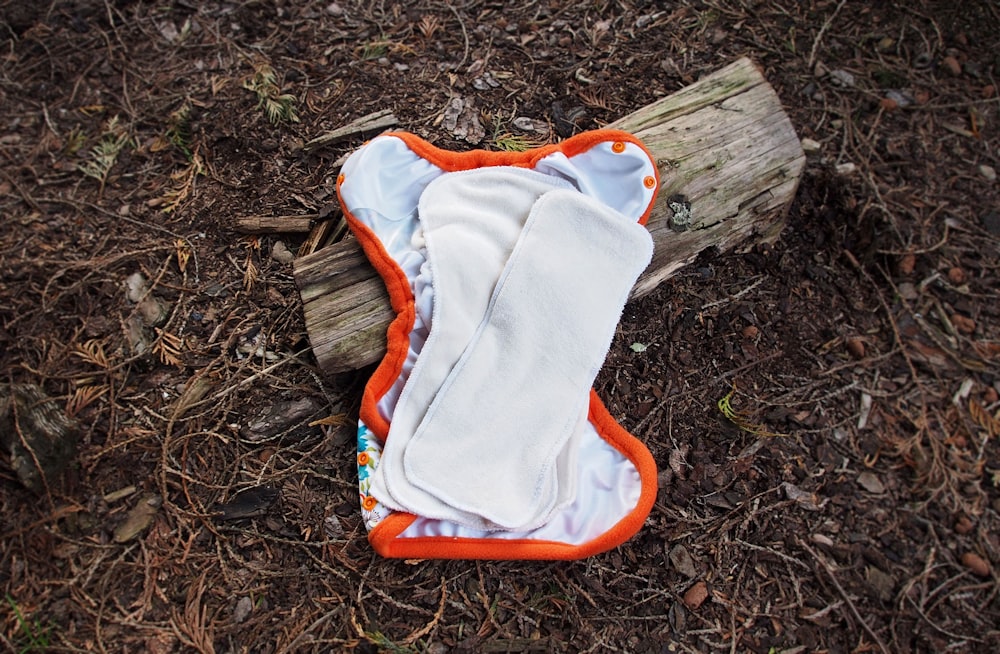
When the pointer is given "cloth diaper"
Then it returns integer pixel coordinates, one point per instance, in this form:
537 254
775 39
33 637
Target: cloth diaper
479 434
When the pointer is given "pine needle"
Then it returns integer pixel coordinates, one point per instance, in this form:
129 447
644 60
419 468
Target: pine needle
742 419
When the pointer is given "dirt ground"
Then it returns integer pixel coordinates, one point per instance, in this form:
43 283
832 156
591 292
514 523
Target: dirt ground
852 504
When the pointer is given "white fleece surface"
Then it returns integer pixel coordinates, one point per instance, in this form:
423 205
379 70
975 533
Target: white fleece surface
470 223
515 397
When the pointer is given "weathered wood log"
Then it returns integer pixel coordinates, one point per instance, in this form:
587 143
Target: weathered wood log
729 162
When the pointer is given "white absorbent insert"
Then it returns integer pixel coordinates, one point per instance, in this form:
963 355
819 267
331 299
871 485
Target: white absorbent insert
530 277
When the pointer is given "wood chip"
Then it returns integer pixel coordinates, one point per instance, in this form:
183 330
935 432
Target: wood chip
805 499
866 410
364 126
139 518
682 561
461 119
696 595
882 582
870 482
249 503
275 419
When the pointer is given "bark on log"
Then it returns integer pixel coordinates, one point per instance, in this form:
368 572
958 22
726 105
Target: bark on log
729 163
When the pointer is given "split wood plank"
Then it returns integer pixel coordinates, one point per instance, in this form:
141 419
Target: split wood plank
299 224
366 125
729 161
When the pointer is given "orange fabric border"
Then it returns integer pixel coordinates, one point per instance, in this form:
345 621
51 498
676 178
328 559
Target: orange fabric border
384 537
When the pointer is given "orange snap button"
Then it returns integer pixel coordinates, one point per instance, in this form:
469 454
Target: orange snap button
618 147
649 181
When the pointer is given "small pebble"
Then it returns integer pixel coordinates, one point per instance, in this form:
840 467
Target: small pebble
244 607
990 395
989 172
952 66
842 77
810 146
334 9
750 332
856 347
901 99
977 564
906 264
871 483
908 291
845 169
